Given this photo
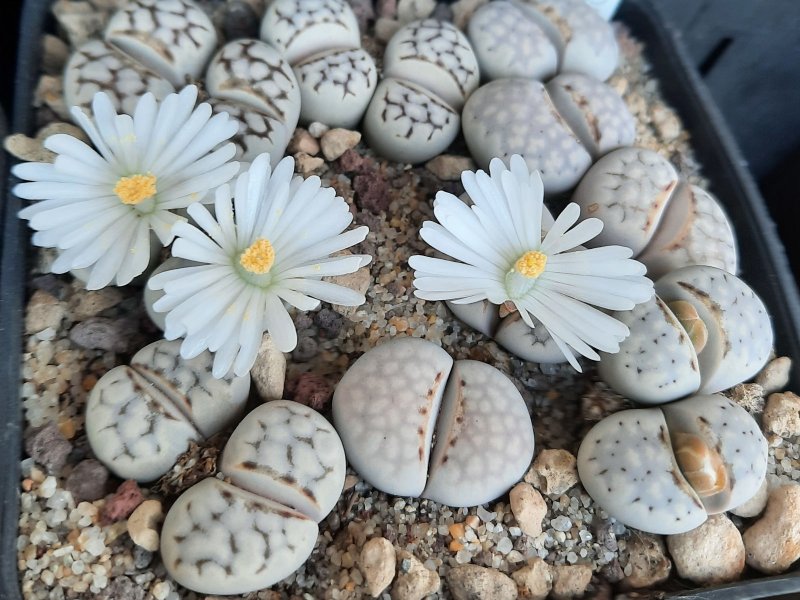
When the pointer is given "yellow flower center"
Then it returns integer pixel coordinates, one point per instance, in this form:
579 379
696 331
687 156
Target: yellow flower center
258 258
531 264
136 188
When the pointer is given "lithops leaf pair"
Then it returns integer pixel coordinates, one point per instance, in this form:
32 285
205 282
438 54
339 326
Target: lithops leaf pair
558 128
429 71
538 38
664 470
392 399
320 39
140 418
704 331
149 46
284 469
645 206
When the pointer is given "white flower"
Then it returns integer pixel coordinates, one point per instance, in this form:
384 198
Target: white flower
504 255
98 207
270 245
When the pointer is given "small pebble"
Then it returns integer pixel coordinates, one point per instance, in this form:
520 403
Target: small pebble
303 141
269 371
782 415
101 333
336 141
775 376
372 191
755 505
317 129
710 554
570 581
772 543
239 21
311 389
528 507
377 563
48 447
87 481
306 164
648 561
534 580
553 471
414 581
143 524
329 322
124 501
472 582
448 167
306 349
43 312
561 523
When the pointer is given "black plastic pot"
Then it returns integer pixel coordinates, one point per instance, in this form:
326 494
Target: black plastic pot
763 260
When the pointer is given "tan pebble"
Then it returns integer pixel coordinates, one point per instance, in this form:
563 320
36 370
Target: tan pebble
90 303
50 92
570 581
773 542
534 580
59 127
303 141
385 28
472 521
358 281
472 582
755 505
710 554
337 141
775 376
43 312
449 167
413 10
553 472
750 396
349 482
67 427
377 563
27 484
464 9
413 581
55 53
782 414
115 530
269 371
25 148
528 507
89 382
143 524
306 164
648 561
79 20
456 530
455 546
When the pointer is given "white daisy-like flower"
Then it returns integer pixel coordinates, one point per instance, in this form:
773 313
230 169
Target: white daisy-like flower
268 245
504 254
98 206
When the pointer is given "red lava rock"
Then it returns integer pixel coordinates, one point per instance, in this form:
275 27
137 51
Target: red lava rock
48 447
372 191
312 390
351 161
124 501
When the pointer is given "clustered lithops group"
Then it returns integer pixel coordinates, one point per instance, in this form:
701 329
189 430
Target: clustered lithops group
408 418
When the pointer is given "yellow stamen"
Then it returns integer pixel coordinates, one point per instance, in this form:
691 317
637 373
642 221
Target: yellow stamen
531 264
136 188
259 257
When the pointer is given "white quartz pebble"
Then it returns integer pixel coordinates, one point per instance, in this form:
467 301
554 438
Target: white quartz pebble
97 66
255 74
385 408
436 56
484 437
289 453
336 86
219 539
407 123
174 38
300 28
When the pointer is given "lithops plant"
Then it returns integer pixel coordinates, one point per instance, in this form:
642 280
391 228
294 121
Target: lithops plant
558 129
537 38
284 470
388 403
645 205
320 39
97 66
140 418
430 69
705 331
664 470
258 132
174 38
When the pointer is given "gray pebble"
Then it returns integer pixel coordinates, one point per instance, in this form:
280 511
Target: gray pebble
239 21
87 481
329 322
302 321
100 333
48 447
122 587
141 557
561 523
306 349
